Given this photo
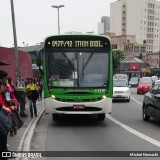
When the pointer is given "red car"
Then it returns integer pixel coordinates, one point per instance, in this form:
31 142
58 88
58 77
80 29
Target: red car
144 85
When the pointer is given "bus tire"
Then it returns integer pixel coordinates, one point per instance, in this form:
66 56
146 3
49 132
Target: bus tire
55 117
101 117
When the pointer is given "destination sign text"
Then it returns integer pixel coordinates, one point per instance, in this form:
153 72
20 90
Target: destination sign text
76 44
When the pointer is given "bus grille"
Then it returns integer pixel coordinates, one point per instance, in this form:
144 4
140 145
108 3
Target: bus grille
85 109
79 100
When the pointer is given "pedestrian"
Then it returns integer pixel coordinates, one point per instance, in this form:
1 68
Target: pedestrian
20 87
11 100
3 129
12 90
7 109
26 82
40 88
3 75
20 82
32 95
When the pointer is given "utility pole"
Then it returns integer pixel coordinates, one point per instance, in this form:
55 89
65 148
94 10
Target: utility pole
15 41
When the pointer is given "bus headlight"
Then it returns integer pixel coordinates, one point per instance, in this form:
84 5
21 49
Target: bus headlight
53 96
104 97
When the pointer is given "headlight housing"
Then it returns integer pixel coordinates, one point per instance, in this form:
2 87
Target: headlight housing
104 97
53 96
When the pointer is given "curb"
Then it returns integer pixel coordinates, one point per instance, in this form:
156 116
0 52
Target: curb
26 139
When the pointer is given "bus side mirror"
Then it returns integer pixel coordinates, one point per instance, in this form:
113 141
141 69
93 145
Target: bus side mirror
39 57
39 60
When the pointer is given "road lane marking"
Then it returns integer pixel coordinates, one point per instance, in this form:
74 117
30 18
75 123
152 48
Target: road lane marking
136 101
26 139
131 130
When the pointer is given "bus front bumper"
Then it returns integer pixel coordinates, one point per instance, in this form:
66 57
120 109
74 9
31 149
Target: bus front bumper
57 107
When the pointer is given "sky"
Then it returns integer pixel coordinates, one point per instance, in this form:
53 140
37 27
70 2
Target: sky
36 19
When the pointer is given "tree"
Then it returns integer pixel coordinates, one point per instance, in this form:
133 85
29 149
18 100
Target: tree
118 55
34 59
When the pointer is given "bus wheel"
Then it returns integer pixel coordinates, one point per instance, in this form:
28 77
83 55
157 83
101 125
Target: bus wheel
55 117
101 117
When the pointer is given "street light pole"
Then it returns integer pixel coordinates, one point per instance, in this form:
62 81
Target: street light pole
25 46
58 7
15 41
90 32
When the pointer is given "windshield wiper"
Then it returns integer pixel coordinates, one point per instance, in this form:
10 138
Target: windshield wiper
69 62
85 65
88 60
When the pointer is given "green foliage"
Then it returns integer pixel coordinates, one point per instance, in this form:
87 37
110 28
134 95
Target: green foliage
118 55
34 58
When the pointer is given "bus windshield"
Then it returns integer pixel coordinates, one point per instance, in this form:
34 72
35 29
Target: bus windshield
77 69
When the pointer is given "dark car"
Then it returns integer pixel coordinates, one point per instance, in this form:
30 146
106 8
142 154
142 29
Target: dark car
133 82
151 104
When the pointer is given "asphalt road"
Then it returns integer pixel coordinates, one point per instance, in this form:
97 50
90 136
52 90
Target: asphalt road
123 130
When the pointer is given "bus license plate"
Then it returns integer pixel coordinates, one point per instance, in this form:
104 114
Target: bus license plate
78 106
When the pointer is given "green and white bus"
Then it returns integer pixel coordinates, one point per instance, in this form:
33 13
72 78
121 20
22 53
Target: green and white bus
77 74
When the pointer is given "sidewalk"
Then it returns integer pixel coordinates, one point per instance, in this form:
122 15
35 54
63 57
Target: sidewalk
15 141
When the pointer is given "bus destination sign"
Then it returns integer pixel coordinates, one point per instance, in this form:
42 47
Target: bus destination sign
77 44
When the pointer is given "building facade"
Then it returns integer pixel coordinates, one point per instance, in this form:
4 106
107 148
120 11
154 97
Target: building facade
7 55
104 26
106 22
137 17
153 59
123 42
100 28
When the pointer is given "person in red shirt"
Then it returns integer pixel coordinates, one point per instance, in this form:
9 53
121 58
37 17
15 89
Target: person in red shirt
7 109
3 100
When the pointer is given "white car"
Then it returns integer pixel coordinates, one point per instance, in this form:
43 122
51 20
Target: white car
121 90
154 78
157 82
